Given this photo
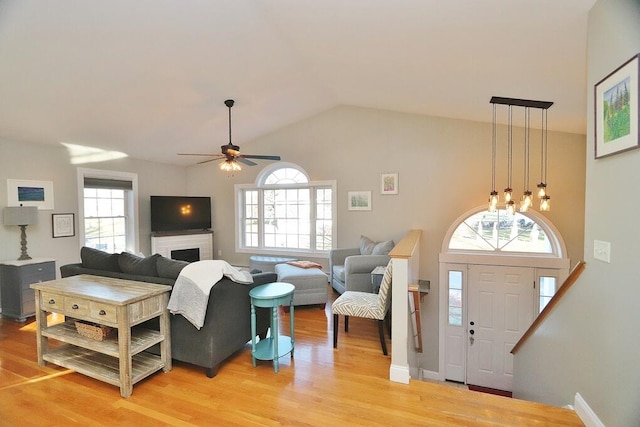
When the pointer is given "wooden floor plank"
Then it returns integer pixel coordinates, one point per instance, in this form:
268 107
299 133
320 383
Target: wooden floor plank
320 386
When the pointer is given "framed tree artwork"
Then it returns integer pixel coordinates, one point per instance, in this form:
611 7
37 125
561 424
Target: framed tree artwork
359 200
616 110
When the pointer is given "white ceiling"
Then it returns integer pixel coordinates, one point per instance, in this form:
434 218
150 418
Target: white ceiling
149 77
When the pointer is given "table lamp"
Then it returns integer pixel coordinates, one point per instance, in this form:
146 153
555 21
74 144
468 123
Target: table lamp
21 216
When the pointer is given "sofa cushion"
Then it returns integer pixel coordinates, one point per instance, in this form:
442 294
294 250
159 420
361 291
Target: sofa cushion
99 260
338 272
369 247
133 264
169 268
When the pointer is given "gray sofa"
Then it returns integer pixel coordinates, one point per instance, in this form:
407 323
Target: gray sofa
227 326
350 269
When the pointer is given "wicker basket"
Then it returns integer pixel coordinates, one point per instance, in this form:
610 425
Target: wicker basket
95 332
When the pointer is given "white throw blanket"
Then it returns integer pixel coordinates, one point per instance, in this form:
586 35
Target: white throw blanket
190 294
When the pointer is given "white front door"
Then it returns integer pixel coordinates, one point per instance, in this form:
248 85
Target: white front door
500 306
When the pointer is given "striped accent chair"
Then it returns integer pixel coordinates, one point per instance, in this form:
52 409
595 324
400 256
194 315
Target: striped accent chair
366 305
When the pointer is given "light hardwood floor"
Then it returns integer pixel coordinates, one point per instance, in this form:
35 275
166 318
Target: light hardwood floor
320 386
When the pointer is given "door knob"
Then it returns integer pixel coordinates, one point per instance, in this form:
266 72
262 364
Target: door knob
472 332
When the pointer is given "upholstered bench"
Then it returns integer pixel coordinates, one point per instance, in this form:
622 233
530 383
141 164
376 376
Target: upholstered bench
311 284
266 263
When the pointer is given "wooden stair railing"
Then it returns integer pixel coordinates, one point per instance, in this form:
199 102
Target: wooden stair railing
571 279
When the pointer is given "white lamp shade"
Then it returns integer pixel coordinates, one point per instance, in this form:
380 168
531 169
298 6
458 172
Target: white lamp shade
20 215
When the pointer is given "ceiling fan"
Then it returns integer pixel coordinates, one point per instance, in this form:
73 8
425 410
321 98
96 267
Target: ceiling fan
231 153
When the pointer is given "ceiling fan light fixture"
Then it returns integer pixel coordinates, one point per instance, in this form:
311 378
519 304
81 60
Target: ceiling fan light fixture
230 166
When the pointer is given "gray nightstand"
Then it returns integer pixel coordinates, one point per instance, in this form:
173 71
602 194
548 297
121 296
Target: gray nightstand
18 299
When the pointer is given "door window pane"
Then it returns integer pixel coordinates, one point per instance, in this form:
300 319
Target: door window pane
455 298
547 290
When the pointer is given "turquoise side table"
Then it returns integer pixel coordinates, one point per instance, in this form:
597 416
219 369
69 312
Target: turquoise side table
272 295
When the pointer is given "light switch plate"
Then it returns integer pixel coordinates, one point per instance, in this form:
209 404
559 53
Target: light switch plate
602 250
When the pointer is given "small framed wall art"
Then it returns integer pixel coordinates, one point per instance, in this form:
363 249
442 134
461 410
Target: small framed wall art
22 192
63 225
359 200
389 183
616 110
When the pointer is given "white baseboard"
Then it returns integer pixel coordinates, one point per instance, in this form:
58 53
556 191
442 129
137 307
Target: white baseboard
399 374
431 375
586 414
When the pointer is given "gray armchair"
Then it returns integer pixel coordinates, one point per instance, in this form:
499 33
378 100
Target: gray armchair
350 269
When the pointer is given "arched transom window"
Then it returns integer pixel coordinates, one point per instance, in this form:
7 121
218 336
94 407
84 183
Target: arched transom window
500 231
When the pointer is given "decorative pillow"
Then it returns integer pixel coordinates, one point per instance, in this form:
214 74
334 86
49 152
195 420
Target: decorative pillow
169 268
369 247
99 260
305 264
133 264
366 245
383 248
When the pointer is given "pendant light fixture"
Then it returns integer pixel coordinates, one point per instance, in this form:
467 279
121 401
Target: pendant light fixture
542 186
527 196
508 192
493 196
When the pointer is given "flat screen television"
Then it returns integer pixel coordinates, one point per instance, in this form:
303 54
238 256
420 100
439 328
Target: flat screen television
180 213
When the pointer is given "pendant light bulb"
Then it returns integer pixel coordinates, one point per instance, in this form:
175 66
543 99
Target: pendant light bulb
542 190
507 194
493 201
526 201
545 203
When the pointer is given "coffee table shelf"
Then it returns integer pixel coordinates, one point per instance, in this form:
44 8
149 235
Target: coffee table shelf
101 366
141 339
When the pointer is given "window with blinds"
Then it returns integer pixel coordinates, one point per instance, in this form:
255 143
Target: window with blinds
108 211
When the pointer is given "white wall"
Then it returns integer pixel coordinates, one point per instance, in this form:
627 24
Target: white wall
444 170
590 342
19 160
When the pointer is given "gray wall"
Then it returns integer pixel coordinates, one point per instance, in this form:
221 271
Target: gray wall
19 160
590 343
444 170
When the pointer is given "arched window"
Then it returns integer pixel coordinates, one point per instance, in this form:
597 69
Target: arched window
285 212
502 232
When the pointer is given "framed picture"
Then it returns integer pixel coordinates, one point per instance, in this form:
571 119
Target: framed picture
359 200
389 183
63 225
616 110
21 192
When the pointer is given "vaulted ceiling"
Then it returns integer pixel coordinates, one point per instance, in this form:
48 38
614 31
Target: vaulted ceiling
149 77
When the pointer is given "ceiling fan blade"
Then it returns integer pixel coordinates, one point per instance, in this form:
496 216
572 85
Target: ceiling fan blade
210 160
241 159
260 157
197 154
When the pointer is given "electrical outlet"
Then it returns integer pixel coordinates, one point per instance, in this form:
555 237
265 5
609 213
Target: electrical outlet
602 250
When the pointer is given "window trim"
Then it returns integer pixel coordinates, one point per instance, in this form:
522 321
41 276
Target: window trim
133 242
259 186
